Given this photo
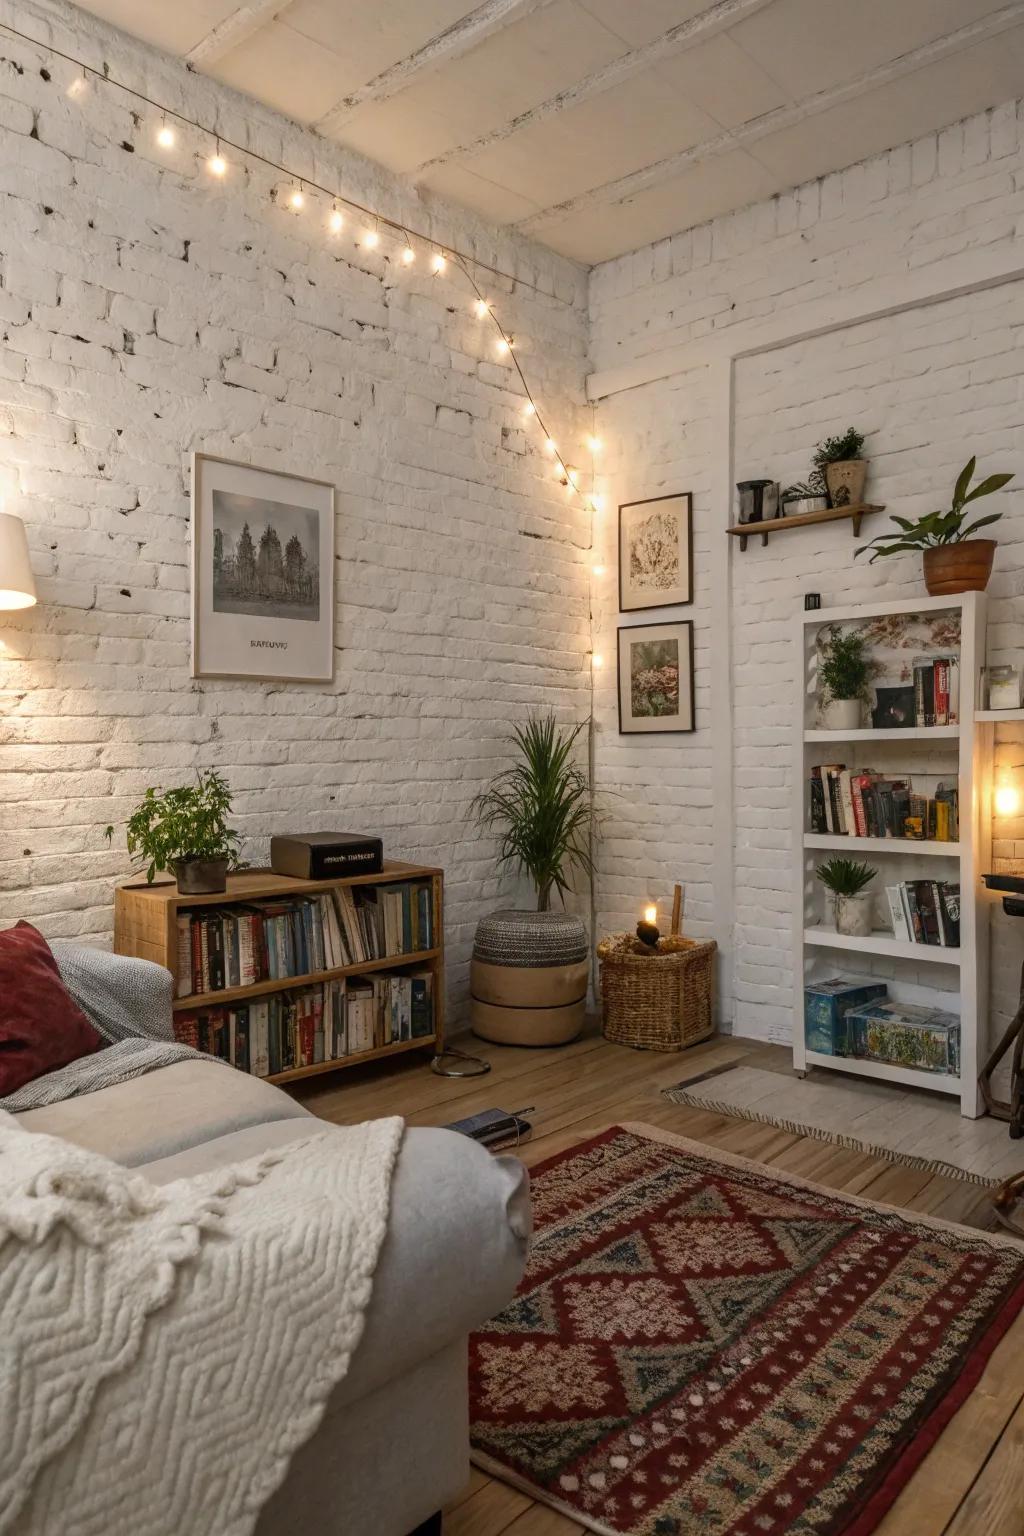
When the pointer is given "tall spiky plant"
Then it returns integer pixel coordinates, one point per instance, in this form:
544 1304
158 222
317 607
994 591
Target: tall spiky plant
542 807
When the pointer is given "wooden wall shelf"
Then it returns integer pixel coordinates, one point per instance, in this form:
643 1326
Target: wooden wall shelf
744 531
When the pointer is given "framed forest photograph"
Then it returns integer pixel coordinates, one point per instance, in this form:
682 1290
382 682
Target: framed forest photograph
655 552
262 573
656 678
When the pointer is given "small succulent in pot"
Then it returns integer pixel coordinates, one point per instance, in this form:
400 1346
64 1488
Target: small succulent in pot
185 830
953 560
848 879
840 460
843 673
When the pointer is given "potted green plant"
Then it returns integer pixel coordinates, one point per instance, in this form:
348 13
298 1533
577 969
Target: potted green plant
185 830
839 460
953 560
530 969
847 879
843 671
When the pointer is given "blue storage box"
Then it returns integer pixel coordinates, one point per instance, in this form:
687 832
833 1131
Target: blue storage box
826 1006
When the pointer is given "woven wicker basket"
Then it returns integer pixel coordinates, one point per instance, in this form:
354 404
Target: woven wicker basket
656 1001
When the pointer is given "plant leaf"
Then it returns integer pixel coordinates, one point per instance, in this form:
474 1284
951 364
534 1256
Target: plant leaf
982 522
986 487
963 480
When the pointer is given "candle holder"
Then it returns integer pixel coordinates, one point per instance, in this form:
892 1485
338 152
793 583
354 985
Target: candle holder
648 933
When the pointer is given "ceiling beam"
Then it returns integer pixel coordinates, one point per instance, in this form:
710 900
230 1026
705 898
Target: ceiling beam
698 29
789 116
234 29
483 22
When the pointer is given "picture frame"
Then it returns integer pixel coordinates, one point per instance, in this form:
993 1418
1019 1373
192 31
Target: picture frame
656 552
262 573
648 654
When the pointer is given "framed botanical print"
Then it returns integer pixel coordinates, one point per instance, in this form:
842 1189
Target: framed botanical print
656 678
262 573
655 552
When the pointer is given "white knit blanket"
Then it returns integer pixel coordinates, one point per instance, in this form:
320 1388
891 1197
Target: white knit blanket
165 1350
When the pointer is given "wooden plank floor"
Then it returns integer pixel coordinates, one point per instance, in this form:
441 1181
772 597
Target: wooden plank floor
973 1479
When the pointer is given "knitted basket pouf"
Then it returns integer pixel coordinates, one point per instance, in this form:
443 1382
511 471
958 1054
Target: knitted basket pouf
529 978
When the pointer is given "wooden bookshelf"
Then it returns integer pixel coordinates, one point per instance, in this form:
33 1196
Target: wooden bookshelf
146 927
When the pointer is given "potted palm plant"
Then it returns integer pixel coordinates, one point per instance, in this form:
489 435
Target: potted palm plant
842 678
953 560
839 460
530 968
847 879
185 830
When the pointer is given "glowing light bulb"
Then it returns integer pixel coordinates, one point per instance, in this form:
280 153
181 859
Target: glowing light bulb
597 661
165 136
1007 800
598 570
438 263
594 444
371 239
551 445
217 165
297 199
529 409
572 476
336 220
597 503
650 914
408 256
481 306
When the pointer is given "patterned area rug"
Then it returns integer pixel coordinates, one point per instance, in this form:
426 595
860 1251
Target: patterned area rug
702 1347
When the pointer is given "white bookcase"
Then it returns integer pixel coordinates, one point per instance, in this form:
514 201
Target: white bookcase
954 979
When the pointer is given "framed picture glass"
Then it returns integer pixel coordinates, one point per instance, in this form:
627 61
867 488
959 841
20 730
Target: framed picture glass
655 552
262 573
656 678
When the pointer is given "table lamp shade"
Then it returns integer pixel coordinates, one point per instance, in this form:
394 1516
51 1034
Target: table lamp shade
17 585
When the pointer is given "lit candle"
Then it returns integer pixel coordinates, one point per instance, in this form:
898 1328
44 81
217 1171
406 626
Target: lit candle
650 914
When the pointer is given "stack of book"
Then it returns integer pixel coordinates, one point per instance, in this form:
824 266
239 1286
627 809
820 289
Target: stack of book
237 946
937 690
860 803
925 912
308 1025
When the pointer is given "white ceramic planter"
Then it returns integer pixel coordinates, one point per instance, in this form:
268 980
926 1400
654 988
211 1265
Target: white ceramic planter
841 715
853 915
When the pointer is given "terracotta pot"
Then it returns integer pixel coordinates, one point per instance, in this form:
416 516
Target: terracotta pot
963 567
845 480
201 877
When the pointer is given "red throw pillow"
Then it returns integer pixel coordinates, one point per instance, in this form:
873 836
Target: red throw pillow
41 1026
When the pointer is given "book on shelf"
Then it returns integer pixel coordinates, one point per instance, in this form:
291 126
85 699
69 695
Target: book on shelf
937 690
925 912
305 1026
866 804
273 940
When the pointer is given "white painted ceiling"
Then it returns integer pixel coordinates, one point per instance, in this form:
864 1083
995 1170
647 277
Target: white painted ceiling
597 126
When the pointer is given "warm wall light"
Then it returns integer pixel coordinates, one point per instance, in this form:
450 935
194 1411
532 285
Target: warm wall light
1007 800
594 444
481 307
165 137
297 199
408 256
438 263
529 409
17 584
503 346
598 570
336 220
371 239
217 165
596 660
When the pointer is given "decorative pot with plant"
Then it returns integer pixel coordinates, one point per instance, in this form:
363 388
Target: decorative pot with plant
185 830
839 460
953 560
847 879
530 969
843 672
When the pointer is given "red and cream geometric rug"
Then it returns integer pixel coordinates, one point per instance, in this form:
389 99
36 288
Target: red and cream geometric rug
702 1347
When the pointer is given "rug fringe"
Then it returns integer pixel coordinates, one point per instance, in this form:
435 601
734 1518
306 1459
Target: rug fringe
848 1143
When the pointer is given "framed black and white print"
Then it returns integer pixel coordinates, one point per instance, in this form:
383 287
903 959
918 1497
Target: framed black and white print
655 552
656 678
262 573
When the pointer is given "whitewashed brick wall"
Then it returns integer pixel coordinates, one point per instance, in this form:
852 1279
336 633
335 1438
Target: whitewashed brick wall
930 387
146 313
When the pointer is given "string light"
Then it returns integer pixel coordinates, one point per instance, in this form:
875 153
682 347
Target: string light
297 198
551 445
438 263
529 409
594 444
217 165
408 256
165 136
597 661
598 570
371 239
336 220
482 309
596 503
1007 800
